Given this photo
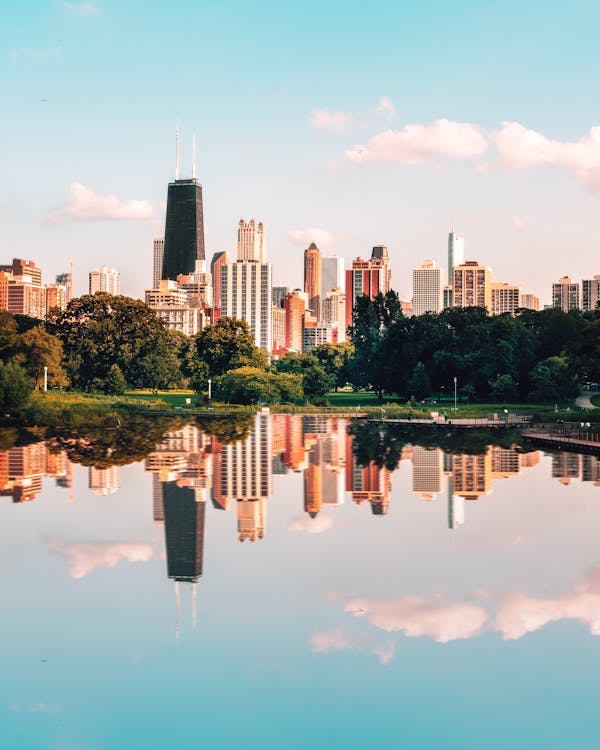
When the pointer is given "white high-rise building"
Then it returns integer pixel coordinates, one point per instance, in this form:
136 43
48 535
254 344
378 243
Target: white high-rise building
332 274
157 260
566 294
428 293
104 481
334 312
246 293
428 469
456 252
105 279
252 243
590 293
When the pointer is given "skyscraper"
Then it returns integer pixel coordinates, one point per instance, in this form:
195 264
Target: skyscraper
105 279
219 260
472 285
456 252
367 277
566 295
184 532
506 298
157 260
590 296
332 274
252 243
312 278
427 288
294 305
246 293
184 225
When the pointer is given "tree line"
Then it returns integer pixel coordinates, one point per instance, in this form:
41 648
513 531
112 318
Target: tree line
534 355
105 343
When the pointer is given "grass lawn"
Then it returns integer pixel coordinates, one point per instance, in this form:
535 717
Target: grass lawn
173 398
595 400
369 400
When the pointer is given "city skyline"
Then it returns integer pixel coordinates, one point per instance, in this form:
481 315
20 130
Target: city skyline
445 154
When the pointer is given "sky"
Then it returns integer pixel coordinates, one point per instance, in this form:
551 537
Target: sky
343 123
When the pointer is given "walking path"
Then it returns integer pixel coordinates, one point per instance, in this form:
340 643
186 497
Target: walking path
584 400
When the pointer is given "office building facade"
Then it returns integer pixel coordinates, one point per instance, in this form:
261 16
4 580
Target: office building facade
427 289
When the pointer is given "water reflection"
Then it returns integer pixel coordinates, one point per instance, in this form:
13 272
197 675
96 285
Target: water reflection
334 551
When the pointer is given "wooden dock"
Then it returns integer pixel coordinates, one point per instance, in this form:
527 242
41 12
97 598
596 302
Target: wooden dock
579 441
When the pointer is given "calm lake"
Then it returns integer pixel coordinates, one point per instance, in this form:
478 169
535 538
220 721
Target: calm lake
303 587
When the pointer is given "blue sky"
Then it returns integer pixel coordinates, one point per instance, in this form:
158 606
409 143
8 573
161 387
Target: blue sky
279 95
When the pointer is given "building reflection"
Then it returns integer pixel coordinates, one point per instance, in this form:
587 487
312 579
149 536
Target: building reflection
191 470
22 469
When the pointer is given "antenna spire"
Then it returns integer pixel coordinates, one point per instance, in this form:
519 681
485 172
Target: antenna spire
177 150
194 156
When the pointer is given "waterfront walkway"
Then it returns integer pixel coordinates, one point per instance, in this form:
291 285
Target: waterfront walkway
501 423
583 440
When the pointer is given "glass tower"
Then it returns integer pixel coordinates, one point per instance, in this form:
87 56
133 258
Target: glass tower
184 229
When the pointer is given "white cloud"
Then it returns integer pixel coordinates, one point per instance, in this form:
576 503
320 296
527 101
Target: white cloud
415 144
85 557
40 707
38 55
330 640
520 147
86 8
328 119
416 617
316 525
321 237
520 614
338 639
83 204
385 109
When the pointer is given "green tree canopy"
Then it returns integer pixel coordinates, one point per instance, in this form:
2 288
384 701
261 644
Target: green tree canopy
100 330
228 345
15 388
39 349
315 380
251 385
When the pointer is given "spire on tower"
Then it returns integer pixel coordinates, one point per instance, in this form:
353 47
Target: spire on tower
177 150
194 156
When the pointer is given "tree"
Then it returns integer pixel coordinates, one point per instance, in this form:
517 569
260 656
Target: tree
40 349
8 335
251 385
553 379
15 388
370 320
115 383
503 388
315 380
100 330
334 359
228 345
419 384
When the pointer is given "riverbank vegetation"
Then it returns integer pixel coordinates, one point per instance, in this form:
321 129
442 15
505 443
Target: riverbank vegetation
102 347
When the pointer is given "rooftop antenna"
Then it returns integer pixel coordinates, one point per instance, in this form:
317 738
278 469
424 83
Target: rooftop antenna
177 150
194 605
194 156
177 610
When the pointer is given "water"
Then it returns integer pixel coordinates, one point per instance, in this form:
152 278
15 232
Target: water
451 603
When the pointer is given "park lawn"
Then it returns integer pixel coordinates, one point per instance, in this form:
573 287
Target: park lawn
595 400
173 398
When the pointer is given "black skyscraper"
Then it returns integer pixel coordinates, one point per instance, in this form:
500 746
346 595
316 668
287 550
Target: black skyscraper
184 228
184 532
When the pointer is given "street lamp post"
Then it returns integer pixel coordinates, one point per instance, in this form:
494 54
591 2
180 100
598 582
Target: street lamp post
455 391
45 378
209 389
